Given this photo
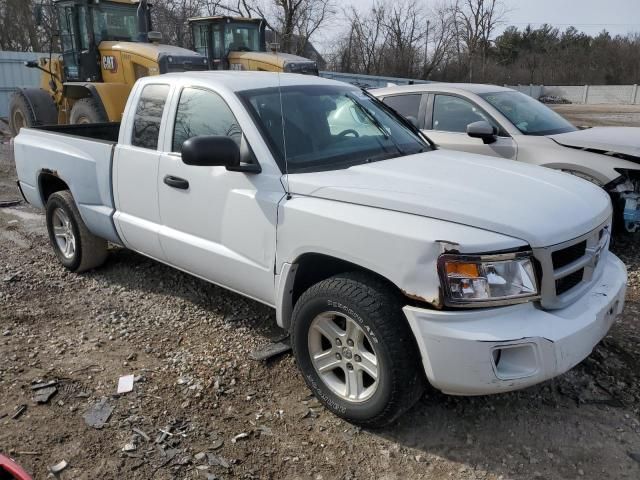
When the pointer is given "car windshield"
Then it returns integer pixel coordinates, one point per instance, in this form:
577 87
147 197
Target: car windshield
115 22
528 115
328 127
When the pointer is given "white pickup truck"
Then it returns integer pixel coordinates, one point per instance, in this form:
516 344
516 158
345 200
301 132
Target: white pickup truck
391 263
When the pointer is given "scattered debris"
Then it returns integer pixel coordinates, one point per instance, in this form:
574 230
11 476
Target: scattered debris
28 453
200 456
240 436
217 461
125 384
42 385
634 455
142 434
217 444
270 351
131 446
9 203
98 414
43 395
20 409
58 467
14 277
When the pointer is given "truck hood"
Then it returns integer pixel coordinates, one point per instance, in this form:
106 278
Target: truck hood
538 205
624 140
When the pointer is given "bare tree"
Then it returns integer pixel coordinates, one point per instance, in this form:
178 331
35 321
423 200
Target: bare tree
477 21
439 38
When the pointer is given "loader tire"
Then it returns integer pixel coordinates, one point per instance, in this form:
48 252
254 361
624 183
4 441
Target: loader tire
31 107
87 110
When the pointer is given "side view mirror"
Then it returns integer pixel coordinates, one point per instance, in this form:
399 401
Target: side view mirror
211 151
154 37
484 130
38 14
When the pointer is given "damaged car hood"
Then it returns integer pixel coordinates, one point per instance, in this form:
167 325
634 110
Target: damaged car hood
538 205
624 140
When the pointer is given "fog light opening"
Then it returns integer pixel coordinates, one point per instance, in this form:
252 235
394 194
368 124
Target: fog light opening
515 361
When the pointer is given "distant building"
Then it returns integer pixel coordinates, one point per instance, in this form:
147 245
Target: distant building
309 52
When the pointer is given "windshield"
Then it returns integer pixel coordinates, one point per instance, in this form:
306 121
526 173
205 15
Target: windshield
528 115
328 127
115 22
241 37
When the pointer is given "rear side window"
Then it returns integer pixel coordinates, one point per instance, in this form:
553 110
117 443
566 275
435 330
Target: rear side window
146 122
406 105
202 112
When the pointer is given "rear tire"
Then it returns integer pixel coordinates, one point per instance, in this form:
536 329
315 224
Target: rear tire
74 245
87 110
31 107
369 372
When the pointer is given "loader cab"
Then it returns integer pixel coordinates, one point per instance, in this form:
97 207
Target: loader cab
83 25
216 37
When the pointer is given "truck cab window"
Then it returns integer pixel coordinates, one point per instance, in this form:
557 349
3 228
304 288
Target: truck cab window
146 122
202 112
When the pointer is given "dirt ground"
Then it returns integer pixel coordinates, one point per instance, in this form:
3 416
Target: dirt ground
226 416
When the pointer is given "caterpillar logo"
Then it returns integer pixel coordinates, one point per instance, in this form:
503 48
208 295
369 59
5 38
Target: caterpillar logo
110 63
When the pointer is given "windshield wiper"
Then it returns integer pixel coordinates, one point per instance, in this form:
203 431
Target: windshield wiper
367 113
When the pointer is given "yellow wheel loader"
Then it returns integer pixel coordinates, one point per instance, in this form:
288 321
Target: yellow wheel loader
238 43
106 46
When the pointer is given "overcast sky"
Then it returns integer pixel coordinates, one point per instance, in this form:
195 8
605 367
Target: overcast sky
590 16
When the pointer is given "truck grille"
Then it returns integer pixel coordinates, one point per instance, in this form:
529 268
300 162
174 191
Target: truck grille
569 268
568 255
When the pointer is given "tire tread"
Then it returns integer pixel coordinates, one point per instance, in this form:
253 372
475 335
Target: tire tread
372 296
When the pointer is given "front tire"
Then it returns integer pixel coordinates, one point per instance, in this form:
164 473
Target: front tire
74 245
355 349
87 110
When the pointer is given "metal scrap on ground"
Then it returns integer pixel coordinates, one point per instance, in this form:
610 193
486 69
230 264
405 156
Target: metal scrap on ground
125 384
270 351
98 414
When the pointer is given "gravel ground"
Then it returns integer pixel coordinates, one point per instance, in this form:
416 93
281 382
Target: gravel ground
594 115
226 416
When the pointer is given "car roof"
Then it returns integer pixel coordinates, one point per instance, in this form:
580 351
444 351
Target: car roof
237 81
477 88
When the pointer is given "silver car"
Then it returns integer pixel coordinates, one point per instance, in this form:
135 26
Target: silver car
503 122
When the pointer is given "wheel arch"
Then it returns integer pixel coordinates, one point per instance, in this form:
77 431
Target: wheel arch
310 268
49 183
111 98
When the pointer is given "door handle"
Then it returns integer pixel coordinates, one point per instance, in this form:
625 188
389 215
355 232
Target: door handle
176 182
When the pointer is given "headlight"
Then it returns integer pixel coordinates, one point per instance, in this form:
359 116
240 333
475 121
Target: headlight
486 280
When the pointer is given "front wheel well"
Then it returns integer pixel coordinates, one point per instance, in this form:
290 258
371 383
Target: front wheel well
48 184
312 268
315 267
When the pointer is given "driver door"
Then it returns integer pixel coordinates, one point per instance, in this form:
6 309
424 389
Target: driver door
217 224
447 128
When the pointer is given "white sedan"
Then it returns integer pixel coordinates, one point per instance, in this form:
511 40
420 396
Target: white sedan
503 122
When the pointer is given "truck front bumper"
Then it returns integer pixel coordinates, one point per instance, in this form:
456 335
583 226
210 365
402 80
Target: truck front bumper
493 350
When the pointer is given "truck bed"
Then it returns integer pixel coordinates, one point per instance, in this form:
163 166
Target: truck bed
107 132
79 155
